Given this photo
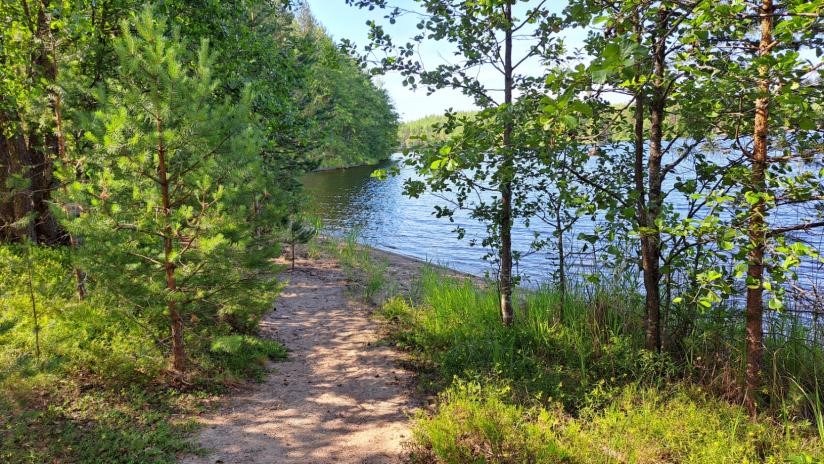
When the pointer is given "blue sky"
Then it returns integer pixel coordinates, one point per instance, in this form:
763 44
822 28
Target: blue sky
343 21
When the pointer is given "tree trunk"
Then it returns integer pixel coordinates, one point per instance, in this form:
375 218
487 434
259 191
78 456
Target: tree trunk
655 201
30 155
651 210
757 223
644 213
42 183
15 205
25 212
44 147
505 276
178 352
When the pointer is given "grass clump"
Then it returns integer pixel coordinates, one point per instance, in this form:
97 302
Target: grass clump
578 391
246 356
367 274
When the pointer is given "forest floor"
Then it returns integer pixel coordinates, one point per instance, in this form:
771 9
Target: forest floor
340 397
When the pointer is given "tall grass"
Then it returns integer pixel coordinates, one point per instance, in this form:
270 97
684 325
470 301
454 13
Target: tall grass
712 353
581 390
455 328
366 273
816 405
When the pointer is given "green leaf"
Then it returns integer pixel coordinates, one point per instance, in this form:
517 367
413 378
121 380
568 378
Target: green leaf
752 197
437 164
806 124
776 304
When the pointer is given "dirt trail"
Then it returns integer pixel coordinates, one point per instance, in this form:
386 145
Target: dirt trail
339 398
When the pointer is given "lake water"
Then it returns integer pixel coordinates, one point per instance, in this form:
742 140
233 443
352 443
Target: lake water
347 199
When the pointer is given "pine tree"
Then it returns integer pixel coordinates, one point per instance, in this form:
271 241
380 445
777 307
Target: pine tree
298 231
169 191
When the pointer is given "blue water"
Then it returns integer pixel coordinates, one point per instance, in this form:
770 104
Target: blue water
348 199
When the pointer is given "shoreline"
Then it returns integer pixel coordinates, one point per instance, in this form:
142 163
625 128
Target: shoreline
340 168
403 269
420 262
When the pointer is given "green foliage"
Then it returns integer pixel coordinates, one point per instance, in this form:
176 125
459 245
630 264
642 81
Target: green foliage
352 118
244 355
177 149
426 130
578 391
95 336
231 138
705 179
91 395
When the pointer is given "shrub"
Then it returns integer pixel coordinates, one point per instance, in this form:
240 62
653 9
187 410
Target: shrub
581 391
474 423
681 424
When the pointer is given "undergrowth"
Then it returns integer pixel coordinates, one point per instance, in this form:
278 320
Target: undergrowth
77 424
86 381
570 383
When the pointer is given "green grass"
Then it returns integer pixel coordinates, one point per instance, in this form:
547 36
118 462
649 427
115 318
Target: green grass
478 422
82 424
366 274
246 356
99 389
57 414
455 330
581 391
682 424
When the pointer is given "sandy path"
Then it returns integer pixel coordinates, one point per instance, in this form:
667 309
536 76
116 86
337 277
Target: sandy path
339 398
